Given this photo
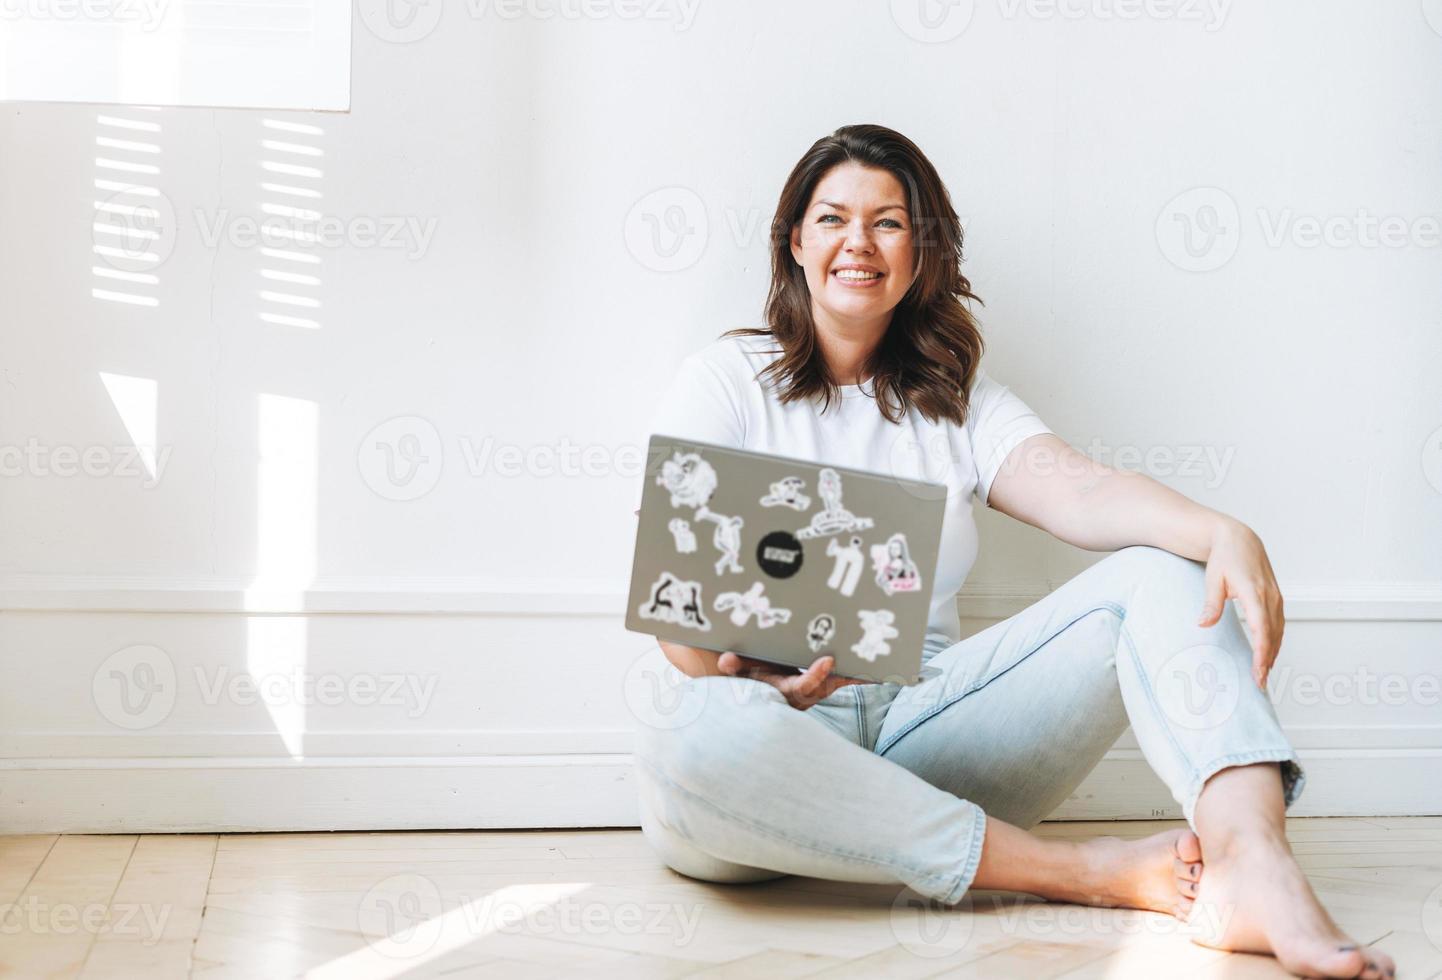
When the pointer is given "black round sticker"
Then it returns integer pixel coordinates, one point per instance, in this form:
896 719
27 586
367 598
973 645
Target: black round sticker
779 554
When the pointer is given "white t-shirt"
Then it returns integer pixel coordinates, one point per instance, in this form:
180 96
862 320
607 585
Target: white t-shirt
716 397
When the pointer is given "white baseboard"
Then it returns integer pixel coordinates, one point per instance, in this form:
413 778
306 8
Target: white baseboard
65 769
1372 772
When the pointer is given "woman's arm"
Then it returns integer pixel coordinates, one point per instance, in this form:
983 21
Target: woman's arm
1046 483
691 661
801 688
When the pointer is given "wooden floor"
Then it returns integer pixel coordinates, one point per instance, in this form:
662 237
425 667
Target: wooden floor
596 903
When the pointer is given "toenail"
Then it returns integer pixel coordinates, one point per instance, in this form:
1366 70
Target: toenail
1343 949
1194 869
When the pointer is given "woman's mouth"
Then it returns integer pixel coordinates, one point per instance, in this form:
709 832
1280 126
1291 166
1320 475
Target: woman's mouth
856 279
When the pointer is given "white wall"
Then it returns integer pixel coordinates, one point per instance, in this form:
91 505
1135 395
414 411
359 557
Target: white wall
530 158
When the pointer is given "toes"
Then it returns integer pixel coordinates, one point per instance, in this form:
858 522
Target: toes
1187 887
1188 848
1183 909
1347 961
1192 871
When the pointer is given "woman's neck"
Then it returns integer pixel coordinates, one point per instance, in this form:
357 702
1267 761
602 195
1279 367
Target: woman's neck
846 347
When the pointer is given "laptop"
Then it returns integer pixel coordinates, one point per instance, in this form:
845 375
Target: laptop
785 560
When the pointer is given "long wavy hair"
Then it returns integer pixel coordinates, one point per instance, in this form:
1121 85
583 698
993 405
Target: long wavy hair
932 346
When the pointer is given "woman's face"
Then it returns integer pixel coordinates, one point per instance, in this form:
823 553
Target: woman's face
857 216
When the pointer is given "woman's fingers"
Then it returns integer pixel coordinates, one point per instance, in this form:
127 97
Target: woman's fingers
1216 597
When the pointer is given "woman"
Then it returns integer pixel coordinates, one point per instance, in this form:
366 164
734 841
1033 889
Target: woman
871 360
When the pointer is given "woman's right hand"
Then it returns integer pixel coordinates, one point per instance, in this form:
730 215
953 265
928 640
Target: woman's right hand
801 690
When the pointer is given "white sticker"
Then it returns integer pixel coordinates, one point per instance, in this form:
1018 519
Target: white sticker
895 571
832 518
847 570
820 631
727 539
744 605
675 600
685 537
690 479
876 625
786 492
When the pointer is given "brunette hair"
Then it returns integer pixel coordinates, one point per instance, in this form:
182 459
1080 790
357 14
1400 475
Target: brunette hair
929 355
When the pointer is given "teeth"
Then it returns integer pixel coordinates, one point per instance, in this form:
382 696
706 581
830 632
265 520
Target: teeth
854 274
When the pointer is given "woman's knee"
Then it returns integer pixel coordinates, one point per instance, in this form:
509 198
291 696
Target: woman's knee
713 735
1150 564
686 857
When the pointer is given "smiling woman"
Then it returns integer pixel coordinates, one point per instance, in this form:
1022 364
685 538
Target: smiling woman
874 249
933 785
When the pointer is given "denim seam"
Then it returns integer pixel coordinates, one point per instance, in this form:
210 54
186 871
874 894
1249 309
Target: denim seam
860 715
973 859
920 719
1150 692
1202 774
807 845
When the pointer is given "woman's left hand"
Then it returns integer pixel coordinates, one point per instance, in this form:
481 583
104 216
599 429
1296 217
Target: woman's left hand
1237 568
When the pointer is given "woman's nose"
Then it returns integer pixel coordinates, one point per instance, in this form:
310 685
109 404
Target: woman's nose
858 236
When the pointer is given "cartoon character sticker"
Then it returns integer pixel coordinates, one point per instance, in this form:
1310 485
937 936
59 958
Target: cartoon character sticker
820 631
727 538
685 537
786 492
895 571
688 478
744 605
876 629
847 570
675 600
833 518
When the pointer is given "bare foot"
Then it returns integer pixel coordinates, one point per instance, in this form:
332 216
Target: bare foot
1255 899
1158 873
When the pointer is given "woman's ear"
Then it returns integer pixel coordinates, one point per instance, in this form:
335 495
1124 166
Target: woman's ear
796 243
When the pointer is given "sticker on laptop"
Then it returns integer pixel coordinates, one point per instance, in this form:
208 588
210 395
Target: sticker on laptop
685 537
876 630
786 492
727 538
895 571
847 570
779 554
820 631
677 601
744 605
833 518
688 478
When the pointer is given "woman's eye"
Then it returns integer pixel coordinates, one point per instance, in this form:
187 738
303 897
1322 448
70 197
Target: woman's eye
825 216
894 223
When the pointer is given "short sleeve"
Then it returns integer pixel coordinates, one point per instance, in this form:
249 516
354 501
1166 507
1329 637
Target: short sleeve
997 422
699 403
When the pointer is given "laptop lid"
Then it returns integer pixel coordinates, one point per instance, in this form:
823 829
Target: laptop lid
785 560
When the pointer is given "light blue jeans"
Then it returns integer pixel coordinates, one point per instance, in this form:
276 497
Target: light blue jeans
884 783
